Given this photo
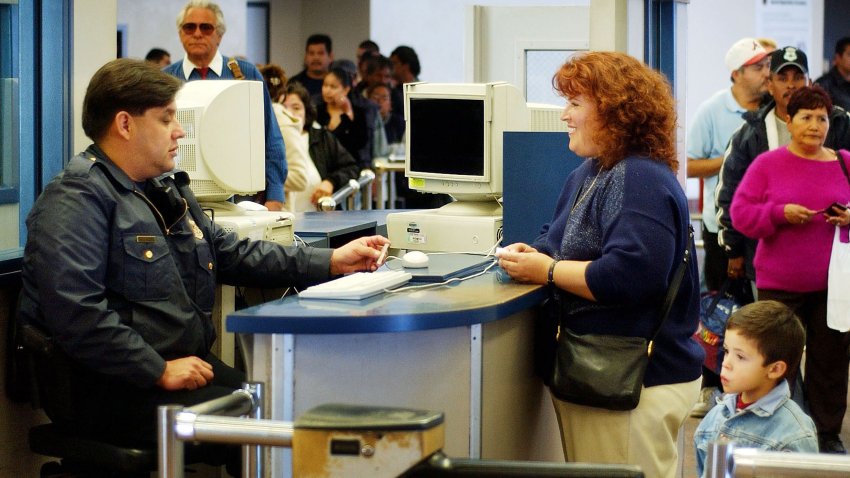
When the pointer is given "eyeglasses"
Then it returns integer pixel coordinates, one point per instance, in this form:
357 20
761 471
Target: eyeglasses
189 28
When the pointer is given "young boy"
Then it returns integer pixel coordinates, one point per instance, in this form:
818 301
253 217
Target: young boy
763 344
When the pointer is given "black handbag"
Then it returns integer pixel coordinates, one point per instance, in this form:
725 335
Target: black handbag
606 371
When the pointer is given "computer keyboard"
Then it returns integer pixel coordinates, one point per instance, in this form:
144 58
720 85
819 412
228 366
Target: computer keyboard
357 286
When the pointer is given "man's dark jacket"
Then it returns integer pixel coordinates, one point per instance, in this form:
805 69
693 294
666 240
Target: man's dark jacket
124 280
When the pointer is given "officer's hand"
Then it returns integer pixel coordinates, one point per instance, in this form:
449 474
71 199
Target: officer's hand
186 373
358 255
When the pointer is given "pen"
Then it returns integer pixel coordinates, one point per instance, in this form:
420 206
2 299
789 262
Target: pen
383 256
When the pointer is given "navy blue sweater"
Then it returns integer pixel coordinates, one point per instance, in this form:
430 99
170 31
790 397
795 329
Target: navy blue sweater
633 226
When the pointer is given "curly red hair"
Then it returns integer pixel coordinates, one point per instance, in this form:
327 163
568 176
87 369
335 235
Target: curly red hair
634 102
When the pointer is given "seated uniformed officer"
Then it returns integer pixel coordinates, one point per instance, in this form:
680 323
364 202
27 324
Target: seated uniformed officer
120 263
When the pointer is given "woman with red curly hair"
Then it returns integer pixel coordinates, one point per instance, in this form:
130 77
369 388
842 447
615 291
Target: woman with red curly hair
619 232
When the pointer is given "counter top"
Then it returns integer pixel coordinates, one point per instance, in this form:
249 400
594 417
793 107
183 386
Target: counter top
489 297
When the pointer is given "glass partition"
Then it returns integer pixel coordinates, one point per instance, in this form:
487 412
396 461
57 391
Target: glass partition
9 127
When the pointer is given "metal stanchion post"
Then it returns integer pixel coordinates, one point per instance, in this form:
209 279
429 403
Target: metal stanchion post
367 191
718 459
169 447
252 455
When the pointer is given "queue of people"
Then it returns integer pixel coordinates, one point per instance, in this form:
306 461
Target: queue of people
616 240
361 121
360 104
798 123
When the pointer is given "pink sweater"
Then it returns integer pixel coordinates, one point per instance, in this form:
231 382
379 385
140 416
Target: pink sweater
789 257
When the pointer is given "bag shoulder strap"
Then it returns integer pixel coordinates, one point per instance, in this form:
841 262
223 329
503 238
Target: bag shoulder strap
843 167
234 68
673 290
719 295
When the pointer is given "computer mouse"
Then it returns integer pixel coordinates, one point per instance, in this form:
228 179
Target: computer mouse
414 260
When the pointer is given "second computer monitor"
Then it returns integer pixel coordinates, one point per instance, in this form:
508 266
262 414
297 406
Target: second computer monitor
454 136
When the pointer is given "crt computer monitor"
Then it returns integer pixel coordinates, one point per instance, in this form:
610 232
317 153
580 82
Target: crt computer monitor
454 136
224 148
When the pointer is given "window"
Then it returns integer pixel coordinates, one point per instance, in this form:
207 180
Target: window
540 65
34 98
9 125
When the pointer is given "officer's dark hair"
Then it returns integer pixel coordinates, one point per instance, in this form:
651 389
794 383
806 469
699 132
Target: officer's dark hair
125 84
407 56
320 39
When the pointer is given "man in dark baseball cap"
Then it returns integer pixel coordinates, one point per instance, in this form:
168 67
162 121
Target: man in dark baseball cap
788 56
789 70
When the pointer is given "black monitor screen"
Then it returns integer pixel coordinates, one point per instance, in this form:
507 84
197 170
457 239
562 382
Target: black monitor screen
447 136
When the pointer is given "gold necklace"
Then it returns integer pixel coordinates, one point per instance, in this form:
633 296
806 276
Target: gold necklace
587 191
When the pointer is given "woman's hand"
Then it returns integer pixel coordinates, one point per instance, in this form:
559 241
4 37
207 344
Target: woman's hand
343 104
518 247
325 188
524 264
839 218
797 214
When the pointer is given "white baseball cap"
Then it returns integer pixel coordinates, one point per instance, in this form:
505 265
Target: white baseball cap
745 51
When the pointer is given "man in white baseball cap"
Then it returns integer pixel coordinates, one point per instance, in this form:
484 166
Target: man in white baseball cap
713 125
745 52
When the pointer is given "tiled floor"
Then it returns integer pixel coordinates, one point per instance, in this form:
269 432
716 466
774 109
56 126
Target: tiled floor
689 468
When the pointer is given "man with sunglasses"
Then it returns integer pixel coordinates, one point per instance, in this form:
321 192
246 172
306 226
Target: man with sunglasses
200 25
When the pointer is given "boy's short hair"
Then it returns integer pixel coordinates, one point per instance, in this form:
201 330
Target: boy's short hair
775 329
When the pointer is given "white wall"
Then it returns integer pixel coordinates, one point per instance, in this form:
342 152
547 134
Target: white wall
153 23
94 45
435 29
710 31
286 41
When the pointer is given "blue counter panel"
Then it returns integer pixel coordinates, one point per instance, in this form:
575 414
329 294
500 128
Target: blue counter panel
486 298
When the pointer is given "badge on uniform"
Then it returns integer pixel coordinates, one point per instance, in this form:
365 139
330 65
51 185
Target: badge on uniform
199 234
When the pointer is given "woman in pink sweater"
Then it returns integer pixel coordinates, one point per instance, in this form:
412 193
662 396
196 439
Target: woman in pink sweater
785 201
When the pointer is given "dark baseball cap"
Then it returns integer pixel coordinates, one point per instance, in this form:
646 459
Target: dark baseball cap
782 57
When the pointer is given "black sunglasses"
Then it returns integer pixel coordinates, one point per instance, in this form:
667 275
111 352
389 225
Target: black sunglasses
206 28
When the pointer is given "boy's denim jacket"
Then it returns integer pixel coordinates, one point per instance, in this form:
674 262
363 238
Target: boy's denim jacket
774 422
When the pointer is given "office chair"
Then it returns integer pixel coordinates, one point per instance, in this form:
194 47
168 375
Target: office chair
79 455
